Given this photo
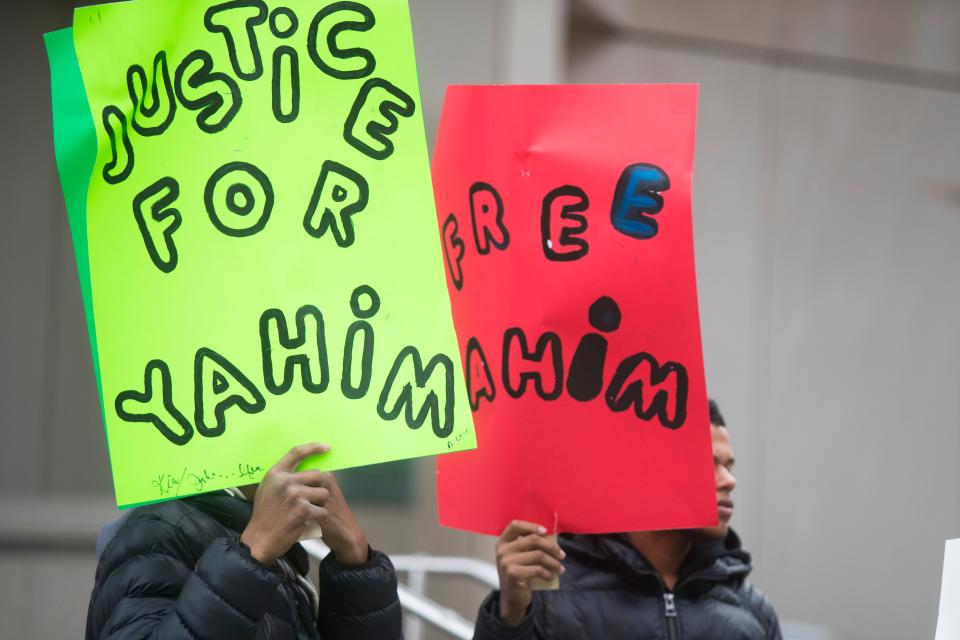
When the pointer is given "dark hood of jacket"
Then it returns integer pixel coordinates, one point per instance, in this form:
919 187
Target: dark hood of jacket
612 559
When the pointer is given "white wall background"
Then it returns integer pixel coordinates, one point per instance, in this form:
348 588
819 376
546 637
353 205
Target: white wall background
827 213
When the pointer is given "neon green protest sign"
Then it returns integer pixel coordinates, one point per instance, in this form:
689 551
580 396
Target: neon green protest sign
264 264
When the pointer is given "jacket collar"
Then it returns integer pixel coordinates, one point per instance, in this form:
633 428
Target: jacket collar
709 561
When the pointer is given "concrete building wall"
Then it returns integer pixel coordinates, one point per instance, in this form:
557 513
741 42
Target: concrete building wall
827 215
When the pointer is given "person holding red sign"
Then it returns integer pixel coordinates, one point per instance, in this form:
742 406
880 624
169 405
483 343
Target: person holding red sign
689 584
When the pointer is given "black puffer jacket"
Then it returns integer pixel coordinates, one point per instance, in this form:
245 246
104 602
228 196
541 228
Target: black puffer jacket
610 591
177 570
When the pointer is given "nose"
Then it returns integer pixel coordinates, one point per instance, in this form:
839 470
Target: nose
726 481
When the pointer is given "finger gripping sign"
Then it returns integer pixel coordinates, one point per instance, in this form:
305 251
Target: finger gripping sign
255 238
565 218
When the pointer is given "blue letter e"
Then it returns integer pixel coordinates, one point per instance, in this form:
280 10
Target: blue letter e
638 198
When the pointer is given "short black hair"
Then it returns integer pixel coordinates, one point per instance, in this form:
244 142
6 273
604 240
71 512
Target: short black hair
715 416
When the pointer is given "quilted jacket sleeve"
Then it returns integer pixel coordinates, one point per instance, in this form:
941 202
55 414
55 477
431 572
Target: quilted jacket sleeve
359 602
490 627
145 590
763 610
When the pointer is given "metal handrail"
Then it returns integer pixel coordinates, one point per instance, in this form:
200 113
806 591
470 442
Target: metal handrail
422 608
441 617
412 595
483 572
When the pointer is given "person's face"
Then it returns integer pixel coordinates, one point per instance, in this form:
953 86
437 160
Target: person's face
723 474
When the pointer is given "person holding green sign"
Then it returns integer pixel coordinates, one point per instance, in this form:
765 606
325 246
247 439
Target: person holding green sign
251 208
227 565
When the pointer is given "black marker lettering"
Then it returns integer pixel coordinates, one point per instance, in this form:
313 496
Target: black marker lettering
236 21
158 221
215 95
153 110
365 303
286 67
556 247
283 22
654 391
120 165
536 366
479 378
155 405
279 348
486 212
408 372
343 64
239 199
453 251
340 193
369 133
217 386
286 84
585 377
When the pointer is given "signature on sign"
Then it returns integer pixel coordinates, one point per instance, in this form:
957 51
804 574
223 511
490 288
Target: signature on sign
195 481
454 440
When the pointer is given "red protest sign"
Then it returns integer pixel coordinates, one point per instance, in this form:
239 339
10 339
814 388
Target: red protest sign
568 242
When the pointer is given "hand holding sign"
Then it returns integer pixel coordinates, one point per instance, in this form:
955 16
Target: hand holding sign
525 553
286 503
289 502
341 531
